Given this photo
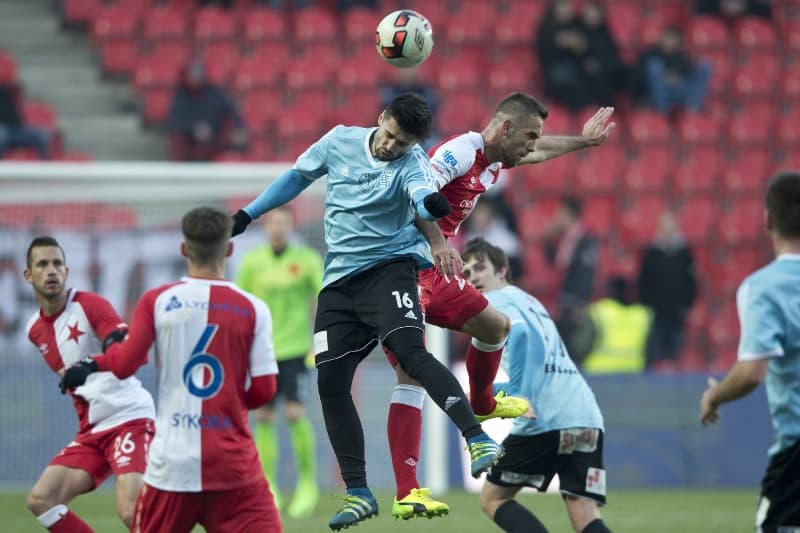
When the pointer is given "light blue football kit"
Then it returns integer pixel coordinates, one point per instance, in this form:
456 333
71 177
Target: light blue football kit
359 183
768 302
540 369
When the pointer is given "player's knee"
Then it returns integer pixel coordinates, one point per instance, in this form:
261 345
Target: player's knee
125 511
39 501
331 383
490 503
409 350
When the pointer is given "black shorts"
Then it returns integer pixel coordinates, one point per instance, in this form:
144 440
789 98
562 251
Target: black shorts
292 380
576 455
357 311
779 504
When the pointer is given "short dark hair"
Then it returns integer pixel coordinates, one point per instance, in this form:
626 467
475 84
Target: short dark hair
480 249
206 231
521 105
412 114
782 201
40 242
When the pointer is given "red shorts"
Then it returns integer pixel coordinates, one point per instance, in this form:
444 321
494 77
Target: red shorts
447 304
121 450
248 508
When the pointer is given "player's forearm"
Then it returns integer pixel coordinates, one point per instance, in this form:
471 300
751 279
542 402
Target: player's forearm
262 390
285 188
432 232
120 361
739 382
551 146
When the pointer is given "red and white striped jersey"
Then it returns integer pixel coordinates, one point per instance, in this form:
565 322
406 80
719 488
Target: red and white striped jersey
76 332
210 339
462 174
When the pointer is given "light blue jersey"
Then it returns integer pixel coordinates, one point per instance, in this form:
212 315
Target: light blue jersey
540 369
370 204
768 302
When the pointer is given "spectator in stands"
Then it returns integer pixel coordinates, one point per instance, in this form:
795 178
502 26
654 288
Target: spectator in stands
732 9
486 222
14 133
203 120
668 286
620 331
578 55
668 79
603 66
573 253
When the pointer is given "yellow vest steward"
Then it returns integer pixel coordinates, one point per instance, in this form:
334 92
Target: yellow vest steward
619 346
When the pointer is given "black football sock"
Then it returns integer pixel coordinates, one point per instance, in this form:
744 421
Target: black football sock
514 518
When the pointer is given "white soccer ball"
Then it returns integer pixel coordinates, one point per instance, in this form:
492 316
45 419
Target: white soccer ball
404 38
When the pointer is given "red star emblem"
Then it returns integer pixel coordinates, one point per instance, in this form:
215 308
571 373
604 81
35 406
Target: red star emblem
294 269
74 333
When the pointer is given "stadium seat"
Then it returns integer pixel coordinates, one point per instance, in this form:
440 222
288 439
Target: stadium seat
698 216
722 70
263 24
315 24
307 72
639 217
359 107
114 22
220 58
742 224
164 22
40 114
155 103
649 170
469 26
463 73
744 174
256 72
460 112
213 23
600 214
8 69
260 110
515 28
357 74
158 70
790 82
359 26
79 12
539 278
647 126
757 76
625 17
707 31
599 171
755 33
118 56
697 128
503 80
790 35
699 170
753 124
535 216
788 129
550 178
300 121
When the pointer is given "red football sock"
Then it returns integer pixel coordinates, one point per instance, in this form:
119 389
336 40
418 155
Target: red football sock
482 368
404 429
70 523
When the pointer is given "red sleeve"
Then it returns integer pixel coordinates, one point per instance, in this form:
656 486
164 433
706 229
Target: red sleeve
124 358
101 314
262 389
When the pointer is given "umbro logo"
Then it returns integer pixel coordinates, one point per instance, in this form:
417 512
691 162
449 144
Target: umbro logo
451 401
411 315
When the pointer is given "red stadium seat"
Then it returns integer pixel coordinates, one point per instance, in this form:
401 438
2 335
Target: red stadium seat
156 102
503 80
8 69
360 107
707 31
757 76
469 26
698 216
307 72
600 214
743 222
79 12
599 171
639 219
623 20
359 26
790 82
755 33
649 127
753 124
788 128
460 112
699 170
299 121
261 109
535 216
722 70
263 24
791 35
159 70
214 23
114 22
164 22
315 24
220 58
698 128
463 73
40 114
256 72
552 177
745 173
118 56
515 27
357 74
649 171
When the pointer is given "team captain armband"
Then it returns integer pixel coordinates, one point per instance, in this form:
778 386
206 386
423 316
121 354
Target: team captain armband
119 334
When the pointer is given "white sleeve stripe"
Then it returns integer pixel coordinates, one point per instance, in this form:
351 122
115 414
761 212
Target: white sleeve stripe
755 356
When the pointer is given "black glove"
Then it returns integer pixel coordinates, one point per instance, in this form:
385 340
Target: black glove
118 335
76 375
240 222
437 205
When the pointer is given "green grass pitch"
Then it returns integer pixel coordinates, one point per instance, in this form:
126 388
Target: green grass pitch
628 511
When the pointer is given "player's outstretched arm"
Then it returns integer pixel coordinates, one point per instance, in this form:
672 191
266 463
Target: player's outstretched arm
740 381
595 132
445 258
290 184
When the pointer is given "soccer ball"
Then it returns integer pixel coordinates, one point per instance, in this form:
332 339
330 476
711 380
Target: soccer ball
404 38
